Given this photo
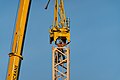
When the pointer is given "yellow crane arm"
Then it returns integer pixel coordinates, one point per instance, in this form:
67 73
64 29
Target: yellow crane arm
62 14
55 22
18 41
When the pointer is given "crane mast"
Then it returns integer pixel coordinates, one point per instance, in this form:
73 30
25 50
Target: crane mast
60 35
15 56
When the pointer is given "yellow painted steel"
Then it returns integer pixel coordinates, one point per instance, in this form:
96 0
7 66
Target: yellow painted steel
17 46
60 66
59 29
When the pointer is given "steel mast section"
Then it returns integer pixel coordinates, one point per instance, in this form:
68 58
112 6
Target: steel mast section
18 41
60 31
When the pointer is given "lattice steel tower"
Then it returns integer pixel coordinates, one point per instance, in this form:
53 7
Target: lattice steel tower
60 35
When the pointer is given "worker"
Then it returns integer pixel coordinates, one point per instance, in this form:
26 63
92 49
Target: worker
61 44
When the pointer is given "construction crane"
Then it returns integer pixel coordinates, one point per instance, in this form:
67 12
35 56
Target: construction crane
18 41
60 31
60 35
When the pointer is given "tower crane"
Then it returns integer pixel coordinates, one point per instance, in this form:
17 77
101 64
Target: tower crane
60 35
18 41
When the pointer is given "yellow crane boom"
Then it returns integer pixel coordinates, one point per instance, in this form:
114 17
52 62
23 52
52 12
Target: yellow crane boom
18 41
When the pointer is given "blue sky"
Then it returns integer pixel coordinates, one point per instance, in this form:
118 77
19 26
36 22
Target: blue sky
95 41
